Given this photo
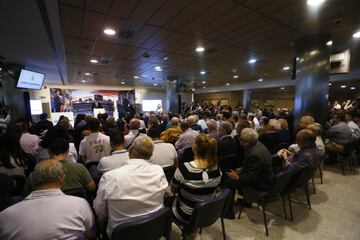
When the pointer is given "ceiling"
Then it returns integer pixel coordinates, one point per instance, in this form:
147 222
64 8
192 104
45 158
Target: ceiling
232 32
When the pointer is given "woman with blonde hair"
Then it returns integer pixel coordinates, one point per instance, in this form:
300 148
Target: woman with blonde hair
197 180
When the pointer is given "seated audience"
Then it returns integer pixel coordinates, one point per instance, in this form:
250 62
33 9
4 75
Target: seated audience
164 154
242 124
77 176
119 155
134 126
164 122
271 138
307 156
338 135
197 180
227 156
7 184
256 173
306 121
212 129
284 135
355 130
47 213
43 124
186 139
201 122
171 135
191 120
29 142
132 190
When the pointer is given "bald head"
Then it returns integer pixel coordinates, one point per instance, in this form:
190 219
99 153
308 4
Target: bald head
142 148
134 124
48 174
305 138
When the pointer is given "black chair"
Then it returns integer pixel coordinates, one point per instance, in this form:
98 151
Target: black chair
169 172
278 189
301 180
78 192
151 226
20 181
206 213
187 155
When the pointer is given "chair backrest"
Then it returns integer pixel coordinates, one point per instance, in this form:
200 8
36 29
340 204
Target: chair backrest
187 155
279 183
169 172
304 176
77 192
206 213
151 226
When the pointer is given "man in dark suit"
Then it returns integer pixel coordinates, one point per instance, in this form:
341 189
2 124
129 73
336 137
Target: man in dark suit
227 154
257 173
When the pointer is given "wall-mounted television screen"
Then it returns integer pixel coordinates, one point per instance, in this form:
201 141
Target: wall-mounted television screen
30 80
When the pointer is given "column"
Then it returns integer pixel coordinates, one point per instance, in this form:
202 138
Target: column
172 98
247 100
312 77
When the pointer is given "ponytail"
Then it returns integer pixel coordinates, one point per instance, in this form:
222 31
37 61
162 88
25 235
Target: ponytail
212 152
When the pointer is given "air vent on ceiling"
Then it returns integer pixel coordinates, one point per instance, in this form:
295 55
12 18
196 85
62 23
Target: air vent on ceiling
126 34
105 60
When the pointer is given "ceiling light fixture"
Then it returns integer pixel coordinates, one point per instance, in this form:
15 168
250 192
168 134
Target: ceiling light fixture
202 72
158 68
343 86
352 88
315 3
136 77
329 43
155 84
252 60
109 31
260 80
83 81
200 49
330 84
356 35
204 87
94 61
235 76
286 68
165 58
282 88
203 82
87 74
228 84
122 82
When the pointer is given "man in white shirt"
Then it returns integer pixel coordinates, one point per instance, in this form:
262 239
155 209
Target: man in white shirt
132 190
134 126
187 138
29 142
118 157
93 147
47 213
164 154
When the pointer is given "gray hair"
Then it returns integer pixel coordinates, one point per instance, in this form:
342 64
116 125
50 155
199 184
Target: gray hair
191 120
47 172
250 135
211 124
275 124
143 147
175 121
227 127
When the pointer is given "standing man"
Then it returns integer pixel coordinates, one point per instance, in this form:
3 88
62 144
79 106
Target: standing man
132 190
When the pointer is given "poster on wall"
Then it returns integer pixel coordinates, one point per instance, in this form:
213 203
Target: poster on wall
115 103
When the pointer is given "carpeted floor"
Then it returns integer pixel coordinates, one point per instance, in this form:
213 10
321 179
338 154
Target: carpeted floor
335 214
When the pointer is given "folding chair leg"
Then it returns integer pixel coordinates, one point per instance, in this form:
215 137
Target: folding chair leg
240 210
321 175
265 222
200 230
342 159
290 207
223 228
284 207
313 183
307 195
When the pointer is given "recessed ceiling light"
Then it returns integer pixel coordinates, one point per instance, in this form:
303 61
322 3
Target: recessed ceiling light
204 87
109 31
297 59
83 81
329 43
235 76
94 61
228 84
165 58
286 68
200 49
343 86
282 88
202 72
356 35
136 77
252 60
87 74
158 68
330 84
122 82
155 84
352 88
315 3
260 80
203 82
